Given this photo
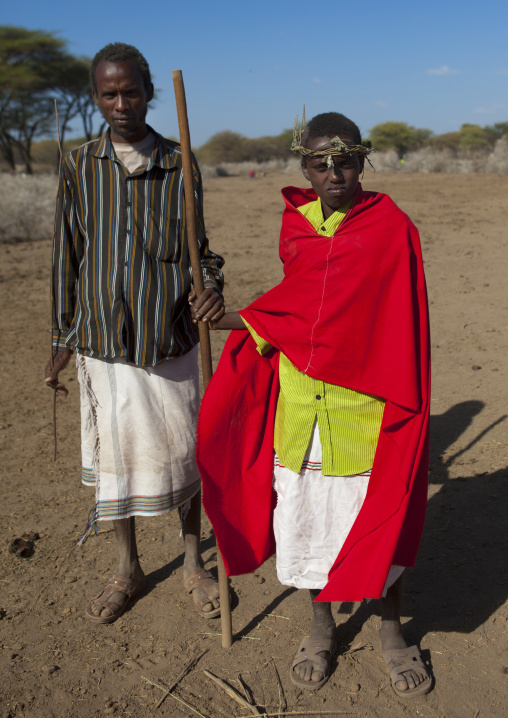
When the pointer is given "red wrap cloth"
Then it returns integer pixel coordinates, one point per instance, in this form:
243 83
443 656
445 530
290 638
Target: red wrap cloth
351 310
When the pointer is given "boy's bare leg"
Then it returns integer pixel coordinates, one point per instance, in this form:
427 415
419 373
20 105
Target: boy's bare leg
128 567
391 633
323 626
206 595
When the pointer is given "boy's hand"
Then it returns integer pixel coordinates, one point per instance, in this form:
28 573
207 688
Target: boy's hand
60 361
209 307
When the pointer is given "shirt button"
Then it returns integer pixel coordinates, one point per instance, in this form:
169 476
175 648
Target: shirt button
318 396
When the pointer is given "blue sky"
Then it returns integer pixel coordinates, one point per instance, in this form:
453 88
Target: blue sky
249 66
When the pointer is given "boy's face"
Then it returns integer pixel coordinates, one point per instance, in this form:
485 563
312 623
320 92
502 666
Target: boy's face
334 186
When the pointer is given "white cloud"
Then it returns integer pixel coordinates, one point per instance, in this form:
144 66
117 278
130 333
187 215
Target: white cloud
381 103
443 70
317 80
488 110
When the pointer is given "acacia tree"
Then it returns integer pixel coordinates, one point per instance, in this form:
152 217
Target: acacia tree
35 69
25 58
71 90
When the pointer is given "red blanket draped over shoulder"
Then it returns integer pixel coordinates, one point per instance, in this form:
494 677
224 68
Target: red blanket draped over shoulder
351 310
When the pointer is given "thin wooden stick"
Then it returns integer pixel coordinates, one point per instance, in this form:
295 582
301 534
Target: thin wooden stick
182 675
181 700
204 333
232 693
52 276
306 713
283 704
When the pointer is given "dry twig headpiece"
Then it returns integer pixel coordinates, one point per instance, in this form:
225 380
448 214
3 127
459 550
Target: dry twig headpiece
338 147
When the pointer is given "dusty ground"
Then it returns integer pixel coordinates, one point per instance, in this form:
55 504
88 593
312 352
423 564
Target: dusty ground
55 663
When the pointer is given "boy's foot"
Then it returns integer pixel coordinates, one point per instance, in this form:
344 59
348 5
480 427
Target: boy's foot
205 592
408 673
311 667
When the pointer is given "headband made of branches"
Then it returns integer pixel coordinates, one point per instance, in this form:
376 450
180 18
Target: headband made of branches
338 147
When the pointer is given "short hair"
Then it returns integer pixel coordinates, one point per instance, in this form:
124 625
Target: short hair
120 52
332 124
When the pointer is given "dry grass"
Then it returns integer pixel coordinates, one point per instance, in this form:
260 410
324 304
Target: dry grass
27 206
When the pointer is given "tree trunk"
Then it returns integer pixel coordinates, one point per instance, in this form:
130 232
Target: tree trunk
7 151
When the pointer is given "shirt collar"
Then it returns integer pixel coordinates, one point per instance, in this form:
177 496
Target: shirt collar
165 152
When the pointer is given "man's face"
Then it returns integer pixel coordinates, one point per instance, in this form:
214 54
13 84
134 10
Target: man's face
334 186
122 99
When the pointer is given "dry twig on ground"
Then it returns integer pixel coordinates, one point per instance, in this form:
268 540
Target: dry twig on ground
232 693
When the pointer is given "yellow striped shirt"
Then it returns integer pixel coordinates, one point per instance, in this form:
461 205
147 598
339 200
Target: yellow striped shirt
348 421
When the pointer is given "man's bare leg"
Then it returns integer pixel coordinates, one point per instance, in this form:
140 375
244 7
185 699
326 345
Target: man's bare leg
129 566
205 596
391 633
322 627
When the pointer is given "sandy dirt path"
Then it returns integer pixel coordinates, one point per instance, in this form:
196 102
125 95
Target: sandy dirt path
55 663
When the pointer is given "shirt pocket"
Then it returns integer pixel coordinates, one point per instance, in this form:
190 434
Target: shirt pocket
162 237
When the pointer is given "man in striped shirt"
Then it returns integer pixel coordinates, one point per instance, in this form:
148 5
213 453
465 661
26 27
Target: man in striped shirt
339 379
121 289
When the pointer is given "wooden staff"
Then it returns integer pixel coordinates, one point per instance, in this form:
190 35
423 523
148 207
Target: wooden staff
204 332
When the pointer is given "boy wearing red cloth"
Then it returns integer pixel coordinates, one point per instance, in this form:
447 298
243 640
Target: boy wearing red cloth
332 374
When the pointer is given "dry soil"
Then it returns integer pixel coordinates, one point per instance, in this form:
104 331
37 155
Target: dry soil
53 662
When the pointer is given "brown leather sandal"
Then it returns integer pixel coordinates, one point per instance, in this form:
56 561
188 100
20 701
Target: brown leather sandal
116 584
194 581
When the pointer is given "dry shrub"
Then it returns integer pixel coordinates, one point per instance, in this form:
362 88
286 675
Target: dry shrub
212 171
27 206
497 161
384 161
293 165
430 159
238 169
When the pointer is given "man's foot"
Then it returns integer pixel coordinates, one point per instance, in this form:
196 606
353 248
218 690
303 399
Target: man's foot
408 674
110 603
205 592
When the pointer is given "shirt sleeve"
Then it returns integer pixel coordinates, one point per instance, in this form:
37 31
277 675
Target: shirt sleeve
211 263
65 260
262 345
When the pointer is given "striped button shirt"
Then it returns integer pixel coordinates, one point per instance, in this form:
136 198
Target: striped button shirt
349 421
121 268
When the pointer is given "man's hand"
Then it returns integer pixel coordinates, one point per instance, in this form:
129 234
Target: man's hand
60 361
209 307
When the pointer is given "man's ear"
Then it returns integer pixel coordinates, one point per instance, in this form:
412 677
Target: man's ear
149 93
95 99
305 172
